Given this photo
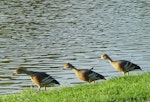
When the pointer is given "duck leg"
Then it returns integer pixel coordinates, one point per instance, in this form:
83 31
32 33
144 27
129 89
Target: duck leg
45 88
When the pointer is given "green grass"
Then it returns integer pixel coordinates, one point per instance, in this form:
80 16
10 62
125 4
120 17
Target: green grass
133 88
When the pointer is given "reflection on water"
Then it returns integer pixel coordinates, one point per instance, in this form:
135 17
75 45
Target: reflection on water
42 35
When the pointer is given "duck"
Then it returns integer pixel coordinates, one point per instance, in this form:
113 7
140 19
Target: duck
86 75
123 66
41 79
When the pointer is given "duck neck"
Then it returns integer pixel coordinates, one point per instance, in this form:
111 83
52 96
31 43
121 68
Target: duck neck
74 69
110 60
27 72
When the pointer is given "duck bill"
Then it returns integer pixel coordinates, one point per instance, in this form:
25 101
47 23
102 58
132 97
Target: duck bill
13 73
100 57
64 69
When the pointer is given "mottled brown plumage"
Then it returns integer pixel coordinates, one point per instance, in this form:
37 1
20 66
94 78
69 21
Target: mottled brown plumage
41 79
85 74
121 65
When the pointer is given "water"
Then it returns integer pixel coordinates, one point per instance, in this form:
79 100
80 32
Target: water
42 35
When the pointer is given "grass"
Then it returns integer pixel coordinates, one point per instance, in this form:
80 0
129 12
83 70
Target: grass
133 88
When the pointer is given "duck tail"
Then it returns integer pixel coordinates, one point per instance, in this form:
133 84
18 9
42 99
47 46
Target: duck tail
55 82
137 67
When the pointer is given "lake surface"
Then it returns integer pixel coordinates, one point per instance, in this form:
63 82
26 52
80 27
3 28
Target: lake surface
42 35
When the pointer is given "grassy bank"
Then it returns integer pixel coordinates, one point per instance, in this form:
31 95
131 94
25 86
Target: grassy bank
133 88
